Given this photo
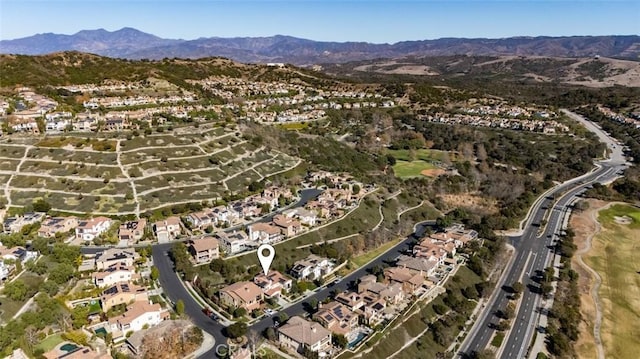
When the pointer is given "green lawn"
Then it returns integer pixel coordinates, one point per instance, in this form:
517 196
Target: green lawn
497 340
607 217
614 256
361 260
405 169
49 342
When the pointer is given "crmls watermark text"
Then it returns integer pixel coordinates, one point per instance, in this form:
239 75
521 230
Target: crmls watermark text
227 350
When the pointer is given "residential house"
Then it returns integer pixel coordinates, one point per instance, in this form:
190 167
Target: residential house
288 226
137 316
301 335
233 242
392 293
424 266
306 217
245 295
351 300
122 293
200 220
433 250
52 225
112 256
373 309
264 232
246 209
15 224
4 271
410 280
204 250
273 283
311 268
132 231
168 229
88 230
223 215
17 254
337 318
118 272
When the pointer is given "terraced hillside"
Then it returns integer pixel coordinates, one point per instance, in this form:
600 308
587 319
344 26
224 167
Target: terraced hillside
132 176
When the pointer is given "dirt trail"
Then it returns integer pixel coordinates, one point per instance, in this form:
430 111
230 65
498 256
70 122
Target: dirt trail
586 226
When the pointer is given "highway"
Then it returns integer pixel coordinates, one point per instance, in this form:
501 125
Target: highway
533 254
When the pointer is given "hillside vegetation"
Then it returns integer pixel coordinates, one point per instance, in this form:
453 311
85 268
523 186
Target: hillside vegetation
66 68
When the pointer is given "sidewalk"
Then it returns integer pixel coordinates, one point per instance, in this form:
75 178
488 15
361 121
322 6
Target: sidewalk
207 343
194 293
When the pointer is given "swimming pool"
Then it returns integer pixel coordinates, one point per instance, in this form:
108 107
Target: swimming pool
101 332
69 347
354 343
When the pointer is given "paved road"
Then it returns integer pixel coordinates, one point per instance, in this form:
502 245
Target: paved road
175 289
532 252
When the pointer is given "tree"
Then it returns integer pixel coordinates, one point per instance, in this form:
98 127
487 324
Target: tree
76 336
236 330
180 307
16 290
503 325
50 287
155 273
517 287
40 205
31 337
440 309
239 312
270 334
61 273
283 317
339 340
79 316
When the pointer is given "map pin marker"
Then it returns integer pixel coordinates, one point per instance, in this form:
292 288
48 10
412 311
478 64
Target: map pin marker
265 261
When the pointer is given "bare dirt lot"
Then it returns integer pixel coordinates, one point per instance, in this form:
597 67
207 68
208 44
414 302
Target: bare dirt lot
434 172
472 201
584 226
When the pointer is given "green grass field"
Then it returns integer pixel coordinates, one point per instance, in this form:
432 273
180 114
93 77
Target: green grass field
49 342
405 169
614 256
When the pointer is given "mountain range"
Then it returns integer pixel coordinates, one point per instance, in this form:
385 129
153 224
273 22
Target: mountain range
130 43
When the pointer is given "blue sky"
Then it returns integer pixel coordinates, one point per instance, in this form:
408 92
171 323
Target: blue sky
329 20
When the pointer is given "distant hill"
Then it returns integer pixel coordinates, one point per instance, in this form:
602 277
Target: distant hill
133 44
66 68
588 71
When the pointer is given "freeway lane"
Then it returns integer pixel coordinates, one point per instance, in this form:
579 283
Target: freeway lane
532 252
